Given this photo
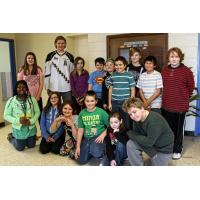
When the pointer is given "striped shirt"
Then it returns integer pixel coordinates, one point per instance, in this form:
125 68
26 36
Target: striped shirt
121 85
149 83
178 87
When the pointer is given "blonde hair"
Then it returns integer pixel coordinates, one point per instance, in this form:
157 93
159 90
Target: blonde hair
110 60
132 102
134 50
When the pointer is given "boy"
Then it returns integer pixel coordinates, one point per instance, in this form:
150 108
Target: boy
92 123
122 86
178 85
135 67
150 133
150 85
58 66
96 79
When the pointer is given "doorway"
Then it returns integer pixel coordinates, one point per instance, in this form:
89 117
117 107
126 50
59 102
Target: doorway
7 72
155 44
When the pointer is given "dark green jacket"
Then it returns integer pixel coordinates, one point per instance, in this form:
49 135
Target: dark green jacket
153 134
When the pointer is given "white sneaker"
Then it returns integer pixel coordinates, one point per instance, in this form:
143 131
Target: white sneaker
176 156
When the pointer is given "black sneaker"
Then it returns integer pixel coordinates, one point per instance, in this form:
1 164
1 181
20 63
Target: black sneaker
9 137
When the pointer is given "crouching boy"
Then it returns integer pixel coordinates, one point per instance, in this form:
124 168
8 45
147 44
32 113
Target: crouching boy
150 134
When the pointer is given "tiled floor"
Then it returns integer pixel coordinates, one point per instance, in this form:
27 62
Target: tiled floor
31 157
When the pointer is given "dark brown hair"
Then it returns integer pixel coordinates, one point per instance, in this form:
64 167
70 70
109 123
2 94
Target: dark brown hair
25 66
119 117
75 64
71 104
48 105
60 37
91 93
122 59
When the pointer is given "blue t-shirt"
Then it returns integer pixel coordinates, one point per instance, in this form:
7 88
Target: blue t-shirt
96 80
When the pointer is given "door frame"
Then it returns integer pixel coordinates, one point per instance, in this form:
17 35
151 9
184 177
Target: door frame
197 120
12 60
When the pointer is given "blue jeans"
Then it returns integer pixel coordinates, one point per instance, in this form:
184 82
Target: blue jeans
117 107
21 144
89 148
120 153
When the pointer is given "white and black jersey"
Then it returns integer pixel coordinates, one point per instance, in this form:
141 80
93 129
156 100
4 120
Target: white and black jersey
57 71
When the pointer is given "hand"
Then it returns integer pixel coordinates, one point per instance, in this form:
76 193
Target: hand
50 139
23 120
28 123
60 119
146 104
69 122
116 130
80 101
37 98
105 106
100 138
77 152
113 163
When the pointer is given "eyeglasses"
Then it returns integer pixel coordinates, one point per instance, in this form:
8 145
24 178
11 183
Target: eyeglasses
54 98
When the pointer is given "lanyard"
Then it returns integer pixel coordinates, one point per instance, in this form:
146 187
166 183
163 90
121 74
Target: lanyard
23 106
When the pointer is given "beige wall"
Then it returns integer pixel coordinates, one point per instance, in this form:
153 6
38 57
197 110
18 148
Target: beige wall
80 43
7 35
39 43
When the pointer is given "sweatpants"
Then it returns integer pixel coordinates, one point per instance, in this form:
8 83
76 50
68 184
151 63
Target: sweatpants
134 152
176 123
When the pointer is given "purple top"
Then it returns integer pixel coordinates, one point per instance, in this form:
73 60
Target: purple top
79 84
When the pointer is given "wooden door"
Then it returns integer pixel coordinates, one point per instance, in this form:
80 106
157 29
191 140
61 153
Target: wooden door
155 44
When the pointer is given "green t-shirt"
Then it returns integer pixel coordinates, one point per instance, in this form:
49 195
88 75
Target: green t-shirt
94 123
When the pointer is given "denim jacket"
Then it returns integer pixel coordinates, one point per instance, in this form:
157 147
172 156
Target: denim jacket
45 124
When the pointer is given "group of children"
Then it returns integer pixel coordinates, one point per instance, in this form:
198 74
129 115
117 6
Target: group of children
106 120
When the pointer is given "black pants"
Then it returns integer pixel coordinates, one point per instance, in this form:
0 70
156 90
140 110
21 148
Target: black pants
78 108
40 107
176 122
54 147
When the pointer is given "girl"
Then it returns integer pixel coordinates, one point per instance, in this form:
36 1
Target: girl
33 75
178 85
116 140
51 142
68 122
22 111
79 83
110 67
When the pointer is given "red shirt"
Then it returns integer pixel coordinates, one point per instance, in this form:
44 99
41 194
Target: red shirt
178 85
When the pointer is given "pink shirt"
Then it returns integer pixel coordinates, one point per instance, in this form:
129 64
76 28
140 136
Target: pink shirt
33 81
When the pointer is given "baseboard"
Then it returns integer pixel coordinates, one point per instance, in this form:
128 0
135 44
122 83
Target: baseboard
2 124
189 133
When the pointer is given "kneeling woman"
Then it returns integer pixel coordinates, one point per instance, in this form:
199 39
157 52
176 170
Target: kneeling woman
51 142
22 111
68 122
